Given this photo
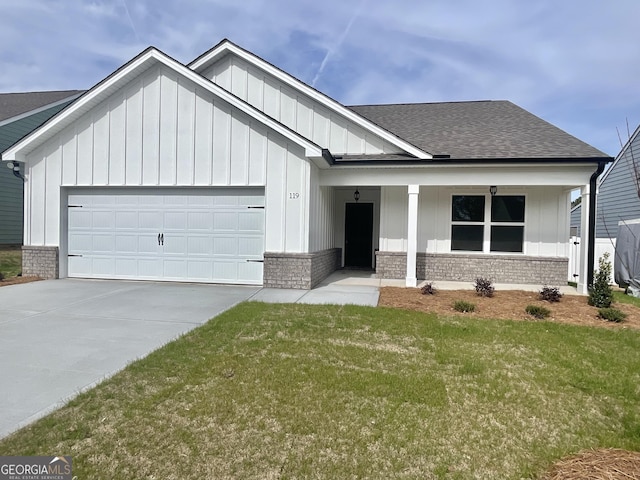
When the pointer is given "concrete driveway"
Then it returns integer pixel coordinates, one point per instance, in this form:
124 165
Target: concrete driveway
59 337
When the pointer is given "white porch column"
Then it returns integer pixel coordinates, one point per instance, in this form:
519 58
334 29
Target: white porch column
584 240
412 236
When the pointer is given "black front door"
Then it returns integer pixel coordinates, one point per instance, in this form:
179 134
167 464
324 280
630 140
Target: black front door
358 235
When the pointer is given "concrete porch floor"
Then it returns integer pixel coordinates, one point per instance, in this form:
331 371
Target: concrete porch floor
365 277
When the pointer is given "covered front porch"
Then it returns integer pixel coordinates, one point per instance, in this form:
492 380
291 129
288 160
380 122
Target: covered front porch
451 227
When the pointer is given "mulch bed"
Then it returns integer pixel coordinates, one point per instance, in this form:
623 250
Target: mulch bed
506 305
602 464
17 280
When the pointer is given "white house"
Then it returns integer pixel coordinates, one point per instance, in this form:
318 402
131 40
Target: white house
230 170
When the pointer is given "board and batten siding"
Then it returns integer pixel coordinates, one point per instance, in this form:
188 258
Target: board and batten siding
163 130
546 227
11 187
294 109
321 214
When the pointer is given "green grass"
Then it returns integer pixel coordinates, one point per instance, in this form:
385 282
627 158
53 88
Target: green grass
297 391
10 261
622 297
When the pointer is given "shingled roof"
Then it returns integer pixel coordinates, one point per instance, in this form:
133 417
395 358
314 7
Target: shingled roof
14 104
476 130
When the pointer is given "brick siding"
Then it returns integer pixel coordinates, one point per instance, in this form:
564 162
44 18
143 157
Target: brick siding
299 270
40 261
466 268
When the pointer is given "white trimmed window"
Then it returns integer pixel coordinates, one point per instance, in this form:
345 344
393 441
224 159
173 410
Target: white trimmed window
483 223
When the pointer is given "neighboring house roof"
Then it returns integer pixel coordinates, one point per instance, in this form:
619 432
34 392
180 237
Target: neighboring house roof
17 127
477 130
14 104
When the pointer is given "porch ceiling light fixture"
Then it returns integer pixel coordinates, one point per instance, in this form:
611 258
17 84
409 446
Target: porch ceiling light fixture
493 190
356 195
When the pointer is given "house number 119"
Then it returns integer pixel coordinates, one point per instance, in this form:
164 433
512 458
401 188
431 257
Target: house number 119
294 195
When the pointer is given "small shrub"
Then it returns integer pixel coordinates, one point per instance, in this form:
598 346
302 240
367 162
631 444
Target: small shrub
428 289
463 306
1 276
612 315
484 287
550 294
601 293
537 311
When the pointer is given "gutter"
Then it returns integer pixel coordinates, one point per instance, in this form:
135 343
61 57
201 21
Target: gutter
591 247
436 160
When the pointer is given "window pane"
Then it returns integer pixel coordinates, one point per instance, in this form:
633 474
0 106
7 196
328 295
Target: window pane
467 208
506 239
467 237
507 208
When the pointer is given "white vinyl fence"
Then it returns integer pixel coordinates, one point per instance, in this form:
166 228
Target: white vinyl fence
602 245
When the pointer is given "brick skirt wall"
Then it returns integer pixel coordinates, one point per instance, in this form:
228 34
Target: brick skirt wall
299 270
40 261
466 268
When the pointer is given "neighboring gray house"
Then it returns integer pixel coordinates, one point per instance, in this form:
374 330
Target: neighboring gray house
21 113
618 197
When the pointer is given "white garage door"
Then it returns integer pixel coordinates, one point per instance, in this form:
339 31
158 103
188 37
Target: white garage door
177 235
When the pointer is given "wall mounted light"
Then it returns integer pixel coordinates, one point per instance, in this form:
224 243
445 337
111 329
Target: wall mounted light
356 195
15 167
493 190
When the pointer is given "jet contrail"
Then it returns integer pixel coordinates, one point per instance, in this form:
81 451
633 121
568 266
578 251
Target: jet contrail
338 44
126 9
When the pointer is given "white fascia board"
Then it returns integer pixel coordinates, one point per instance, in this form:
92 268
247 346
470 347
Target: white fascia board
620 155
226 46
139 64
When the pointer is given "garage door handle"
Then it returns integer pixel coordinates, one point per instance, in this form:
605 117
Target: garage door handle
161 239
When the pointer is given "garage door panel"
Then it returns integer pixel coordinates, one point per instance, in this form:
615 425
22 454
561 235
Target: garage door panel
207 236
200 246
103 243
225 221
126 220
175 221
150 220
225 246
199 270
148 244
127 243
80 242
251 221
175 244
200 221
252 271
79 218
251 247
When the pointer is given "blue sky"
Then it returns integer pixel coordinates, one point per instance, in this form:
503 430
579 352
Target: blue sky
575 63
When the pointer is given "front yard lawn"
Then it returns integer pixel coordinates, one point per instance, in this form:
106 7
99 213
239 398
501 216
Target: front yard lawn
310 391
10 261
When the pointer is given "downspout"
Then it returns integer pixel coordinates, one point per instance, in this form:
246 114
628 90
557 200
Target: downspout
591 247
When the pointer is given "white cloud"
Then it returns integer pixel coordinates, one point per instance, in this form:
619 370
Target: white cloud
573 62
